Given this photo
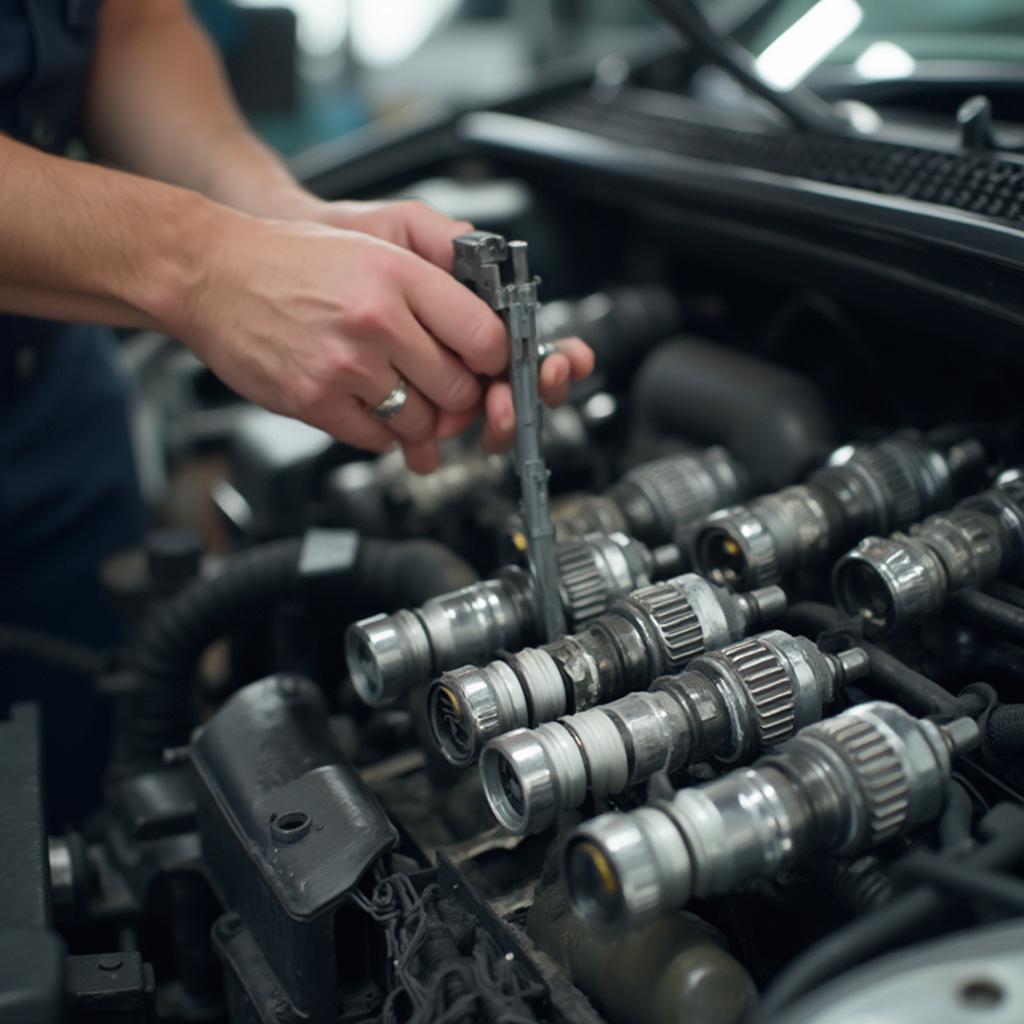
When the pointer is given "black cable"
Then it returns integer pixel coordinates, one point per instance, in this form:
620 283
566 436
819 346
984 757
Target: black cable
884 929
430 973
1007 592
916 692
980 609
1001 890
54 650
954 826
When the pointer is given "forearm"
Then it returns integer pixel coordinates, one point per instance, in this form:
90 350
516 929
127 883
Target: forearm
89 244
158 103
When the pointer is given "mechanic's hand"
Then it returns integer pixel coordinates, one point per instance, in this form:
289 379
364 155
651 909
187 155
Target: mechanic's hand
573 360
416 225
418 228
317 323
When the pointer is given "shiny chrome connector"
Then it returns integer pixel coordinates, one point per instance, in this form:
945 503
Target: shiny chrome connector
873 488
837 788
655 630
388 655
894 582
653 500
728 705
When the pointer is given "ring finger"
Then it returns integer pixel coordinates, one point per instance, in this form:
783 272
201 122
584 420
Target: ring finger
412 417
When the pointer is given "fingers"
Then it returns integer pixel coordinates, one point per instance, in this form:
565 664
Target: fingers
574 360
499 418
554 380
417 418
451 424
430 233
457 318
580 356
422 456
352 424
439 375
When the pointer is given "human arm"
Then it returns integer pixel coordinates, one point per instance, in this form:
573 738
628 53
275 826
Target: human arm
258 300
158 103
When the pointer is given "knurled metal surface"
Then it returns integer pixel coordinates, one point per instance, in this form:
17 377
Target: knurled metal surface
676 483
979 532
888 462
769 687
879 771
761 559
678 627
1014 490
584 589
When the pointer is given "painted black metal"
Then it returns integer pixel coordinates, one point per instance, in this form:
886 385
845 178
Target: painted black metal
288 829
31 954
110 987
933 263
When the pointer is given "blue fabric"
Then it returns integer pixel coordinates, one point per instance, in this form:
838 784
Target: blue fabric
68 492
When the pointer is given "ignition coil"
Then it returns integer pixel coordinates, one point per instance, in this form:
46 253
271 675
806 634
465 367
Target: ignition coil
388 655
655 630
898 581
873 488
837 788
653 500
728 705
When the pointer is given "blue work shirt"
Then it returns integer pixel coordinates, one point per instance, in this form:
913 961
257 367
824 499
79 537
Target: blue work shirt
68 491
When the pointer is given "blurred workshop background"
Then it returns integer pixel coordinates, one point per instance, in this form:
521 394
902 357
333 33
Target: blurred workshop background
307 71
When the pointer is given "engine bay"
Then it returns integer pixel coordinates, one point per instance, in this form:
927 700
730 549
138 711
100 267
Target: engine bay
771 770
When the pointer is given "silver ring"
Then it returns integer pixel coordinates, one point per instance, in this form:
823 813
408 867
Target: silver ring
394 402
546 348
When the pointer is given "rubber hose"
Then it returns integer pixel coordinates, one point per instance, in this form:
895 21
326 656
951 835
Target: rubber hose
1007 592
989 613
886 928
772 420
404 574
916 692
956 819
384 575
1005 731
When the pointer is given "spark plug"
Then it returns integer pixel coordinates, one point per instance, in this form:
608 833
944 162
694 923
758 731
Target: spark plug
873 488
653 500
655 630
728 705
898 581
837 788
388 655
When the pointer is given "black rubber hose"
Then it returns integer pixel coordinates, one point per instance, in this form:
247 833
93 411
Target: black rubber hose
989 612
381 576
401 574
55 650
956 820
620 325
886 928
1007 592
996 888
916 692
1004 731
772 420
